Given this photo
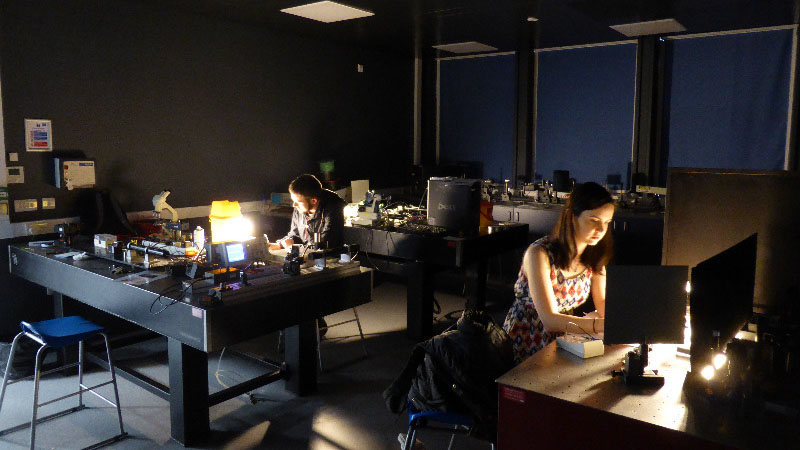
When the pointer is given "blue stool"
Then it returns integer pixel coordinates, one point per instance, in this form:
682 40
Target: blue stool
59 333
423 419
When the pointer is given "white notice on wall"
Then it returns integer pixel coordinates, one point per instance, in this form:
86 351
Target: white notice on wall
38 135
16 174
78 174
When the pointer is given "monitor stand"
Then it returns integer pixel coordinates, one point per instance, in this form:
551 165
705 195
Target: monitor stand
634 372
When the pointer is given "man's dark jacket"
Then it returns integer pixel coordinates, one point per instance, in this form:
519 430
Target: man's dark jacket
327 220
455 371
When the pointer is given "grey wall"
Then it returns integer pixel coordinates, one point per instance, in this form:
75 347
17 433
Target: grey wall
209 109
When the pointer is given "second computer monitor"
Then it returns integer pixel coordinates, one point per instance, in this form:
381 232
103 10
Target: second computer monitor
645 304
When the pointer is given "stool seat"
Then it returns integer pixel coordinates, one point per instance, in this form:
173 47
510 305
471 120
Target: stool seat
63 331
55 334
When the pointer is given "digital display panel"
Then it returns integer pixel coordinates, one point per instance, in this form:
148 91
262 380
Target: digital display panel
235 252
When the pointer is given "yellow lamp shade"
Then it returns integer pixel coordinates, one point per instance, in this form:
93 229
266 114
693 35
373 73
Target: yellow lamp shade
227 223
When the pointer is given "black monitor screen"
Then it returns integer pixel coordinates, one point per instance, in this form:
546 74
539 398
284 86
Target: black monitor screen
645 304
722 295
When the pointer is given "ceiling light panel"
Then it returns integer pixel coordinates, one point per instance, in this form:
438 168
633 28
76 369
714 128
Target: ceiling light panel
662 26
465 47
327 12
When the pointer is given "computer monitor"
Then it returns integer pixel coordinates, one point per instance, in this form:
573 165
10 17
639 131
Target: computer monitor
721 298
454 203
229 254
644 305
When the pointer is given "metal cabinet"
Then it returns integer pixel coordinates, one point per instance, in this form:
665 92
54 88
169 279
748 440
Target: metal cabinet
503 213
540 219
638 236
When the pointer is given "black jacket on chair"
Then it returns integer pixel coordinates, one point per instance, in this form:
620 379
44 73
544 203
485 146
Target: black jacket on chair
455 371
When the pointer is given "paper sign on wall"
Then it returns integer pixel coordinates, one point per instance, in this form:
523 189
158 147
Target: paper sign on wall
16 174
38 135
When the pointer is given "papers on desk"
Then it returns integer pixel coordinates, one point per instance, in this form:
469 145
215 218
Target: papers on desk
136 279
582 346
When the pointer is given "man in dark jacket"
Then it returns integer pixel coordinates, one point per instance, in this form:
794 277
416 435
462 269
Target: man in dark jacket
316 210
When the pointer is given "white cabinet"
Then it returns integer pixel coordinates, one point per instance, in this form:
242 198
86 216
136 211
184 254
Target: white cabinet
540 219
503 213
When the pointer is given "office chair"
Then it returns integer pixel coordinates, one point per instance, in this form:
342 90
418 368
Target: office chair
57 334
320 333
428 419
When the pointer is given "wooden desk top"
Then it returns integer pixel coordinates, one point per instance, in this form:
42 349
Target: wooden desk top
557 374
560 374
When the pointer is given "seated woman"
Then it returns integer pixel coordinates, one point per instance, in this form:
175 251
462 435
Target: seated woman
560 270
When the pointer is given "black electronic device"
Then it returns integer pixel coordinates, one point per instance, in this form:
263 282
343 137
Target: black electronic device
561 182
454 203
292 261
644 305
66 232
721 298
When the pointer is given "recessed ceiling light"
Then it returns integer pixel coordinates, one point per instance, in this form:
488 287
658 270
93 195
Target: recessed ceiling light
533 19
327 11
465 47
662 26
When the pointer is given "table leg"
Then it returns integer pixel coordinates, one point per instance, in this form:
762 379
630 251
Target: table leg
58 312
301 357
419 302
188 393
476 284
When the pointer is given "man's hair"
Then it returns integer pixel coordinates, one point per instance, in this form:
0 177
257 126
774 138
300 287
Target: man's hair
306 185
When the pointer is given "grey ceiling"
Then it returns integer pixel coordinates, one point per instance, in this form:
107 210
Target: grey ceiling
406 25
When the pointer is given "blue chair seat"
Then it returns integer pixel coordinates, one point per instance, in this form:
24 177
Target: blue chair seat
450 418
63 331
418 420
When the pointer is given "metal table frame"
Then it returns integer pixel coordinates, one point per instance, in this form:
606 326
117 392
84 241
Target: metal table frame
418 257
194 330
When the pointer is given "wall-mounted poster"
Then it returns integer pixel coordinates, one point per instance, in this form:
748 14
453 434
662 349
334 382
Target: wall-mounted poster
38 135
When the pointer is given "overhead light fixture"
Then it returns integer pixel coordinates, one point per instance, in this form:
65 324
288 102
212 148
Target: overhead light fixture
662 26
465 47
327 11
533 19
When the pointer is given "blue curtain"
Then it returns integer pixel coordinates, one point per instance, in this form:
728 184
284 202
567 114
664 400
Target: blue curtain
585 104
727 100
477 113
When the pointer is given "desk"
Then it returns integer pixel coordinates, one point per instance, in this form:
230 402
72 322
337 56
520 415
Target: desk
193 330
418 257
557 400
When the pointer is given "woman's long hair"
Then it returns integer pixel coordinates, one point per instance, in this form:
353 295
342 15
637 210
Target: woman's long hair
584 197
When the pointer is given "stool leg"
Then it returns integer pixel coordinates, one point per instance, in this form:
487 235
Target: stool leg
80 373
319 350
360 332
114 382
452 438
8 367
411 438
36 376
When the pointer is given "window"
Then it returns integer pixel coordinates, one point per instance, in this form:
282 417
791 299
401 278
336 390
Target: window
584 111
